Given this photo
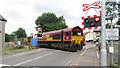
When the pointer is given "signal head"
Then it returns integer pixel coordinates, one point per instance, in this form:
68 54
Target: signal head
97 19
86 20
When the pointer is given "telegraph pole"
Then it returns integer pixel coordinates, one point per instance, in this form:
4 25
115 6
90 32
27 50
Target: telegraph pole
112 63
119 32
119 11
103 37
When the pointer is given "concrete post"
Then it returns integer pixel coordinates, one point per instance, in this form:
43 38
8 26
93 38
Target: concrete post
103 37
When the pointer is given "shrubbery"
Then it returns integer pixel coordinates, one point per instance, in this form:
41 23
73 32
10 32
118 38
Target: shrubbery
19 47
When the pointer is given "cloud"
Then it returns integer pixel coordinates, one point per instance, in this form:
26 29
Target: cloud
23 14
13 15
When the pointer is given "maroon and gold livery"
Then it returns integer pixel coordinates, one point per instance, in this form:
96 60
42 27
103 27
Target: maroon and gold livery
71 39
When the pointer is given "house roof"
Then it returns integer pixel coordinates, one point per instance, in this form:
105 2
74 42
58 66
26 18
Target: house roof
2 18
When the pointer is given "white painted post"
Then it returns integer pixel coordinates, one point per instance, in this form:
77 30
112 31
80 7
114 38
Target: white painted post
103 37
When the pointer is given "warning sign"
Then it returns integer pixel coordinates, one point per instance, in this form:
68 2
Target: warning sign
112 34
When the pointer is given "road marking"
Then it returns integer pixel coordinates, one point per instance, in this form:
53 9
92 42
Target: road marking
84 51
4 65
72 63
32 59
28 52
98 55
24 53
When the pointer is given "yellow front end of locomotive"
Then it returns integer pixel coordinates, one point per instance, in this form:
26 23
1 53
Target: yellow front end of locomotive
77 39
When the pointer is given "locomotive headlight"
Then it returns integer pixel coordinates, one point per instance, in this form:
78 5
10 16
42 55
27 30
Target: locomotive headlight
77 39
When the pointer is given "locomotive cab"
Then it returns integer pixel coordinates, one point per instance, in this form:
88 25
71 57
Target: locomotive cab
77 36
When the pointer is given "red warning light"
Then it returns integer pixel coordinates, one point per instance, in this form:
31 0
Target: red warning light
97 19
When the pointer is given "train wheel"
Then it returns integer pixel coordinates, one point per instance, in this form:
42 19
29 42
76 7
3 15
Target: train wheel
58 46
81 47
71 49
52 45
66 47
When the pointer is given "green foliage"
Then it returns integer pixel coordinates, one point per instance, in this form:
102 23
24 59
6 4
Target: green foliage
39 32
20 33
25 40
12 36
9 37
49 22
111 7
19 47
118 22
108 26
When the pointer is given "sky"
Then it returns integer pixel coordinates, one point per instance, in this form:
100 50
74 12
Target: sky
23 13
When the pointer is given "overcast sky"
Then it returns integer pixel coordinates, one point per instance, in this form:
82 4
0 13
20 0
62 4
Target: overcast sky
23 13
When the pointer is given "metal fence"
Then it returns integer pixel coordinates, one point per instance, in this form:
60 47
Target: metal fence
116 54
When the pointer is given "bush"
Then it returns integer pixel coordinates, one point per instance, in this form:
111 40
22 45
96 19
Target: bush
97 40
19 47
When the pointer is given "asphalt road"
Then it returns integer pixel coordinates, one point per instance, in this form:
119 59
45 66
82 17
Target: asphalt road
52 57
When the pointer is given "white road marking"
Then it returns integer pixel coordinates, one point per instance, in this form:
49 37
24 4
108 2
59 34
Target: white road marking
27 52
32 59
83 52
4 65
98 55
71 61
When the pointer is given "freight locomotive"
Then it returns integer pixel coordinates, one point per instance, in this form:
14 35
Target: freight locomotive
70 39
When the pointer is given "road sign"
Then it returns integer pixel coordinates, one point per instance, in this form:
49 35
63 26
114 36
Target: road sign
112 35
95 5
33 42
111 49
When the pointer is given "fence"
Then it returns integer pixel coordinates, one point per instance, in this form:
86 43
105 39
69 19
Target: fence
116 55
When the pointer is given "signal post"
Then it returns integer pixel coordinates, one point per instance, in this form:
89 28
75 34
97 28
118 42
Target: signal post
98 21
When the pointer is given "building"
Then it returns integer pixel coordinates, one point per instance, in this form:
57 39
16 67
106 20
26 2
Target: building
90 36
2 34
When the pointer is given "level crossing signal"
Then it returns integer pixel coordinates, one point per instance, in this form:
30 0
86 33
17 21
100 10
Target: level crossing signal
92 22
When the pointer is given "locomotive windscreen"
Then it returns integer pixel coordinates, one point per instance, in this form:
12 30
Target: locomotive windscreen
39 35
77 33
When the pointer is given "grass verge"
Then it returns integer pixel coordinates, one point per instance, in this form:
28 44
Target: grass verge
116 66
25 48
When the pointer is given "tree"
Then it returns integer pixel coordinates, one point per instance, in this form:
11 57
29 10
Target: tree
20 33
110 11
108 26
118 22
49 22
7 37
